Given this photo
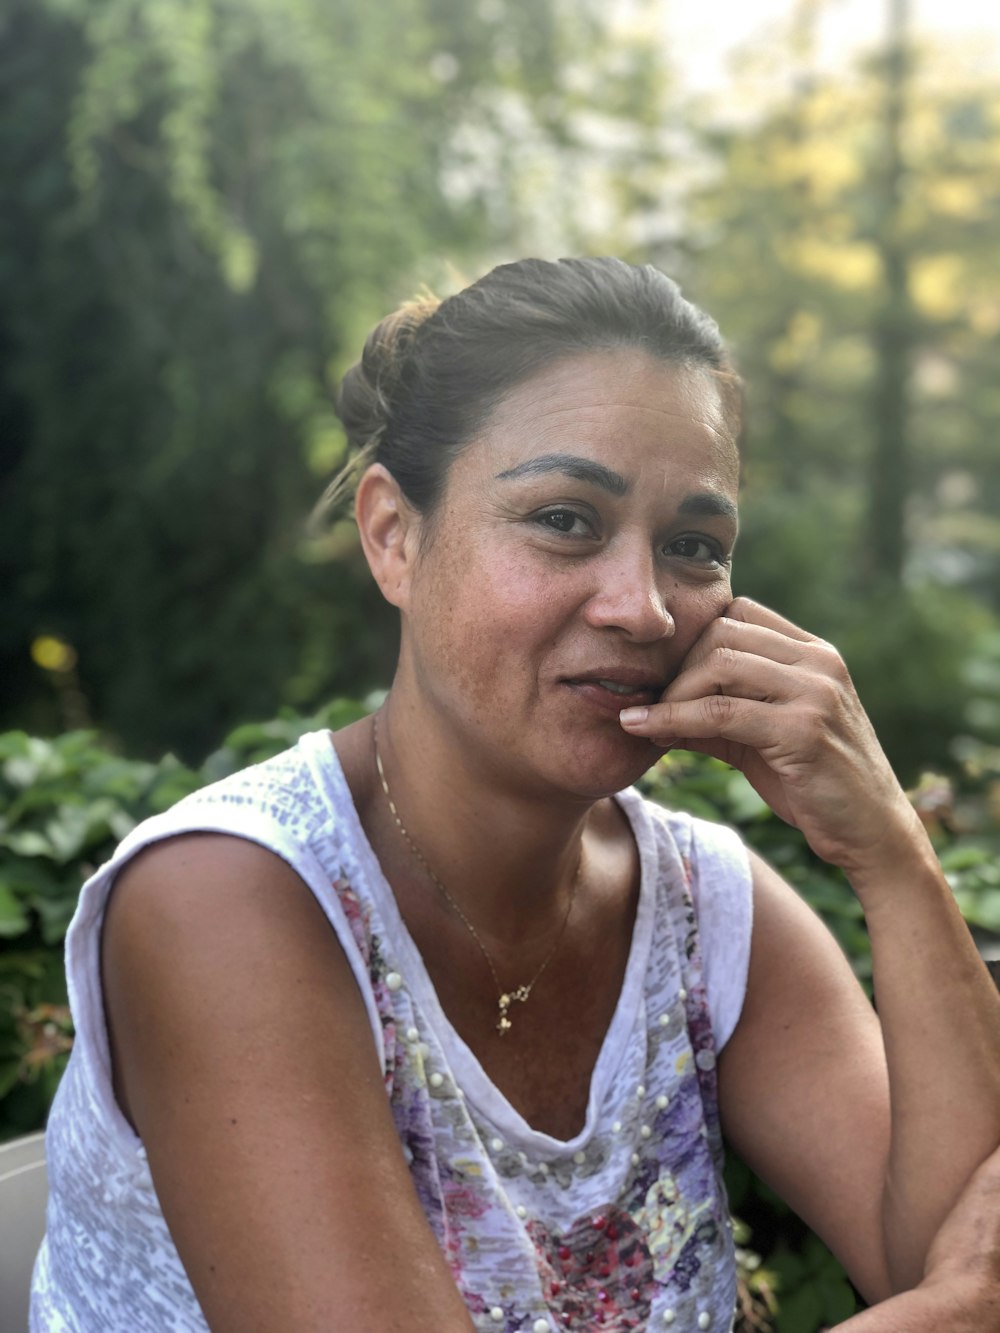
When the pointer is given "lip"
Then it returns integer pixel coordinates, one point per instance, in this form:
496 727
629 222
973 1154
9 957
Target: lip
645 688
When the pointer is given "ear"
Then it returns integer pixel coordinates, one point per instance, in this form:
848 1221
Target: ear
389 528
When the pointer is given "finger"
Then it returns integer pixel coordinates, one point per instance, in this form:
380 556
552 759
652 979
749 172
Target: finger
727 636
747 721
729 752
754 613
743 675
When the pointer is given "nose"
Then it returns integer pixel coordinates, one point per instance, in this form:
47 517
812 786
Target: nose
630 598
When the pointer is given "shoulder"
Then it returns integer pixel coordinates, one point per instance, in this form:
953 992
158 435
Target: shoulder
276 838
250 862
297 791
705 891
199 871
283 806
207 932
207 899
294 805
713 855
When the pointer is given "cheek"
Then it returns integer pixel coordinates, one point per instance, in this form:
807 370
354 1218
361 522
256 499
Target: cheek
500 595
695 609
479 617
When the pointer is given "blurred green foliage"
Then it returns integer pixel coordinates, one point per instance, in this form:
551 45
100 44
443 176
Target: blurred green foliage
64 806
789 1280
66 802
204 205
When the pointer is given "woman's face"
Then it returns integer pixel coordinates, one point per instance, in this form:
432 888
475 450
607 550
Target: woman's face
581 545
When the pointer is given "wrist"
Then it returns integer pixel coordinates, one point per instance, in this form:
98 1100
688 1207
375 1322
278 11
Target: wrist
963 1302
958 1304
901 852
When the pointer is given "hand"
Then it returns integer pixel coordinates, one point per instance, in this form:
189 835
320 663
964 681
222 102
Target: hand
778 704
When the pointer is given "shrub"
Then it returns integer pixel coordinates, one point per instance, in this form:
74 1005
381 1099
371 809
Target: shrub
65 803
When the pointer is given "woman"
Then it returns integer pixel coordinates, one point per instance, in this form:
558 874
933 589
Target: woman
491 1095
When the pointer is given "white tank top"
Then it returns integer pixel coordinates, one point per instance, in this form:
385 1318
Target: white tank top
624 1226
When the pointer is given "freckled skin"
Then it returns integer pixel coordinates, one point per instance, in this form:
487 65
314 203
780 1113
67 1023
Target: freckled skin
584 535
502 610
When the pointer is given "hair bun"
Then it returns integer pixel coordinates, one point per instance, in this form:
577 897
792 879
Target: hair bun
364 400
431 374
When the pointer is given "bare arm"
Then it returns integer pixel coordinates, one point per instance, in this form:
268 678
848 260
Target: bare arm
961 1290
956 1306
803 1084
940 1018
778 704
244 1057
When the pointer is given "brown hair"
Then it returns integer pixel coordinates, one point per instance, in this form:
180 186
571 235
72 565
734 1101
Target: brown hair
431 372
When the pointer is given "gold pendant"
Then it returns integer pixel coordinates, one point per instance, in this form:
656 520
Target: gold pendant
521 994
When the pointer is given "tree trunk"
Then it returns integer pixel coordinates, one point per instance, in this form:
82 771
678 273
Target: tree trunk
893 328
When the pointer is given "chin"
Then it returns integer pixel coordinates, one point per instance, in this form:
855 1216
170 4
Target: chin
605 771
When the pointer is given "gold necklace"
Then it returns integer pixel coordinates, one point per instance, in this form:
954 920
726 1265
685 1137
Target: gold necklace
505 998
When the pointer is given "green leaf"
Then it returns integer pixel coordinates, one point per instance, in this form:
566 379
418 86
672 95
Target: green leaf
837 1296
13 745
800 1311
13 919
9 1071
40 760
737 1175
790 1268
27 843
982 909
55 918
744 803
965 856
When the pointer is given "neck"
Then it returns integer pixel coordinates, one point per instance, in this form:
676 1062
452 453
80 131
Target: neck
508 858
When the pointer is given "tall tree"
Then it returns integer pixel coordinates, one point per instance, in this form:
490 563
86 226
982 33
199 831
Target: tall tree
205 204
846 255
894 328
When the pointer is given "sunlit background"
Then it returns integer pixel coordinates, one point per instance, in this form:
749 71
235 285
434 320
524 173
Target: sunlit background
707 40
206 205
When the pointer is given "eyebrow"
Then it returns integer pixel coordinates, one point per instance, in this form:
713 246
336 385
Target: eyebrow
581 469
706 504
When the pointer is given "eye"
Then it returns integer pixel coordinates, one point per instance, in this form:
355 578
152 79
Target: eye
697 549
566 521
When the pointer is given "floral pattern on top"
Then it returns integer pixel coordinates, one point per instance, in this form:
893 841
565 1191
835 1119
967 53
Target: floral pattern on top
599 1274
651 1231
624 1227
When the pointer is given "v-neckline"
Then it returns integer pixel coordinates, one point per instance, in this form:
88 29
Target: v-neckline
480 1091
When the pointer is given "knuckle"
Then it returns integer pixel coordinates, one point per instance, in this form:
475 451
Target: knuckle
720 663
828 697
820 722
726 657
738 608
814 720
831 659
712 633
719 707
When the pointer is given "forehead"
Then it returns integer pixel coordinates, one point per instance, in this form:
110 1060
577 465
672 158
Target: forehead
622 407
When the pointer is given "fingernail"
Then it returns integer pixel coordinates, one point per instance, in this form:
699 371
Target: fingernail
632 717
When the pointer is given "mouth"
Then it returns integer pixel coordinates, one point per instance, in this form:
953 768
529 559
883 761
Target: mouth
617 689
